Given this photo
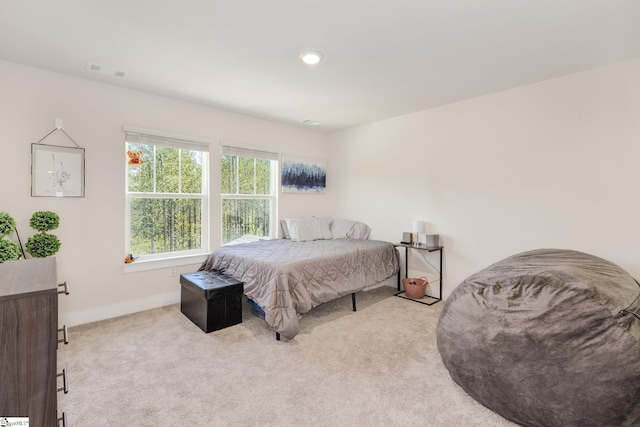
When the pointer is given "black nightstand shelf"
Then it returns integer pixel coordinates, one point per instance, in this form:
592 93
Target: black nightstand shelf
406 246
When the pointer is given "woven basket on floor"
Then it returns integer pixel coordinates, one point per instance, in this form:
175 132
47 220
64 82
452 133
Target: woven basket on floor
415 288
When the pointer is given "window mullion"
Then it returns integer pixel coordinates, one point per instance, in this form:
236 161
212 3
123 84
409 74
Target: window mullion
166 195
155 177
180 170
237 173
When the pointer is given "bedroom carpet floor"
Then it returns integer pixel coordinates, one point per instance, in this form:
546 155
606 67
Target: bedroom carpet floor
378 366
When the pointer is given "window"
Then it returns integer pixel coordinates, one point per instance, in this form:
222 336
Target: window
167 196
248 191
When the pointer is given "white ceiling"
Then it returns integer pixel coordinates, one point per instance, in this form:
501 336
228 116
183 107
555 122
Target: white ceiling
382 58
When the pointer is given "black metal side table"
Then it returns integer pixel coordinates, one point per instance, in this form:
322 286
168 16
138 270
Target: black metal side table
406 246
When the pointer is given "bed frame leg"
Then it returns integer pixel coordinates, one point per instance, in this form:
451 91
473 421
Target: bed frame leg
353 301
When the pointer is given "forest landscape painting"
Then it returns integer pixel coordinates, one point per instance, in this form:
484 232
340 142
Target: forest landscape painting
300 175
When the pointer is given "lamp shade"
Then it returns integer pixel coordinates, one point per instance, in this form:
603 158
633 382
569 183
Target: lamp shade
417 226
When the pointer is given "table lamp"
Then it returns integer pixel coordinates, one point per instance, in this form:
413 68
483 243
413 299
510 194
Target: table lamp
417 227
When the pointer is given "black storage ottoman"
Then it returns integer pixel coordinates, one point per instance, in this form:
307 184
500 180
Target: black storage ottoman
211 300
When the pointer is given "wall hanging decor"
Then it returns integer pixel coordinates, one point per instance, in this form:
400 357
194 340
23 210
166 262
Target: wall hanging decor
57 171
300 175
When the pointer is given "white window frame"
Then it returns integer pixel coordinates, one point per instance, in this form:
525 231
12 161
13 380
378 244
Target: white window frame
231 149
178 258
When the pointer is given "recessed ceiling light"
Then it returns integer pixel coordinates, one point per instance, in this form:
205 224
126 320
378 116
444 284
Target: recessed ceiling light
311 57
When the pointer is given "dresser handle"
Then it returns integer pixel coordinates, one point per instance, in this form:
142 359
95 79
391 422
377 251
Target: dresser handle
64 382
63 418
66 289
65 336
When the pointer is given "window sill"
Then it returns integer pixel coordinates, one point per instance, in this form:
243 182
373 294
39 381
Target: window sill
156 264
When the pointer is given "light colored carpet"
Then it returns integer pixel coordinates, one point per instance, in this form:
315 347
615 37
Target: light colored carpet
378 366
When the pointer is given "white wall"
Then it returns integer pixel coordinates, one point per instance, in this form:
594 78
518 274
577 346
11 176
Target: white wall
552 164
92 228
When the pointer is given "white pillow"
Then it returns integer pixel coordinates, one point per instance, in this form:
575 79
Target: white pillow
341 227
285 229
344 228
304 229
360 230
301 229
323 228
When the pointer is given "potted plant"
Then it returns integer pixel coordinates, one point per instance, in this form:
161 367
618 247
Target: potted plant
9 251
43 244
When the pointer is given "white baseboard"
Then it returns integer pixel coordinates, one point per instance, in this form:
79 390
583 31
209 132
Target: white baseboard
129 307
102 313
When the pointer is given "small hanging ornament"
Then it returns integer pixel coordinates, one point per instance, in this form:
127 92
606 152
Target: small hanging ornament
135 158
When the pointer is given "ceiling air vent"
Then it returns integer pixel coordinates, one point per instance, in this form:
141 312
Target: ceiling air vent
309 122
106 70
94 67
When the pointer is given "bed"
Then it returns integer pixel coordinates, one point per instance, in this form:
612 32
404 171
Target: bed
288 277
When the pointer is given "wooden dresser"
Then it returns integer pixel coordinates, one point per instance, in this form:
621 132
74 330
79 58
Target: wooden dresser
29 341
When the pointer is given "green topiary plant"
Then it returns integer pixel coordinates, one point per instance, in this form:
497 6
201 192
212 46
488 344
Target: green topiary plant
9 251
43 245
44 221
7 224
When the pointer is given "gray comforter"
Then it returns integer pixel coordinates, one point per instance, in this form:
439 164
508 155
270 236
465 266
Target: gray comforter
288 278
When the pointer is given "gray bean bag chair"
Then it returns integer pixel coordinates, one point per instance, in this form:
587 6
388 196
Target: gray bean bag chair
547 338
